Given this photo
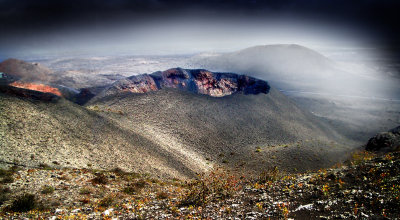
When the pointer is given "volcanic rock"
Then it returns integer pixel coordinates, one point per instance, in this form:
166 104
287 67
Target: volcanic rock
37 87
385 141
29 94
198 81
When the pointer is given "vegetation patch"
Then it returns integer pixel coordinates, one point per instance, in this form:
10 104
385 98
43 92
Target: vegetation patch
100 178
24 203
135 187
6 175
215 185
106 201
47 190
4 194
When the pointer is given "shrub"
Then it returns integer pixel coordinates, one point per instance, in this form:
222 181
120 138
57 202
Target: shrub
84 200
85 191
271 174
47 190
131 176
135 187
24 203
100 179
119 171
7 179
359 157
162 195
106 201
44 166
197 194
214 185
4 194
7 175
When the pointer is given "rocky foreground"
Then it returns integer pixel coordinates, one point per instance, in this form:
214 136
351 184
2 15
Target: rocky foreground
366 187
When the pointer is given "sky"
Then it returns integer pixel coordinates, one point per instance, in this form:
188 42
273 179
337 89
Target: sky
161 27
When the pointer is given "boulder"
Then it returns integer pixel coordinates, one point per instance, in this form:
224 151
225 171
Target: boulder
385 141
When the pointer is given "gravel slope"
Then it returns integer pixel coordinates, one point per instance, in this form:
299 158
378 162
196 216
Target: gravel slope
245 132
60 133
167 133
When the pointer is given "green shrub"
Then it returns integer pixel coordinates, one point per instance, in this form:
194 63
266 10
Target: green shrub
4 194
7 179
6 176
100 179
106 201
85 191
162 195
131 176
358 157
197 195
214 185
44 166
24 203
135 187
119 171
271 174
47 190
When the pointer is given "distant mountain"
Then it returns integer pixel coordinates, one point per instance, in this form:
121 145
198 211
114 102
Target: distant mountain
289 67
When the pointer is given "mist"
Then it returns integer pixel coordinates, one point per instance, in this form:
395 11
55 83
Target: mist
183 35
333 50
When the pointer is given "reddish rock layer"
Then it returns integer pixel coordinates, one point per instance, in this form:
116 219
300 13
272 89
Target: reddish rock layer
197 81
37 87
137 84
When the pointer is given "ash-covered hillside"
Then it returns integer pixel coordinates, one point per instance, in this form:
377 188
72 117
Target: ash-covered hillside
177 122
233 120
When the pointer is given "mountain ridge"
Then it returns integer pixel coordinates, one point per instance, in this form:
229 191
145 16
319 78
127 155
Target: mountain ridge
199 81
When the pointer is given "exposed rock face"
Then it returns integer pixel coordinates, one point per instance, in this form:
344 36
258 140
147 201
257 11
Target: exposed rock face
83 96
385 141
198 81
137 84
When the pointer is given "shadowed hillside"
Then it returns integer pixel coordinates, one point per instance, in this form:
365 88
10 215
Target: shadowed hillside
177 122
249 132
35 130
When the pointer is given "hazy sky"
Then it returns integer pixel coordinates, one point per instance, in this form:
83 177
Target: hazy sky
44 27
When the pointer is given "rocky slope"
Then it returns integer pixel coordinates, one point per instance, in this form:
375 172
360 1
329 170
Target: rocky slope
173 122
41 128
365 188
245 132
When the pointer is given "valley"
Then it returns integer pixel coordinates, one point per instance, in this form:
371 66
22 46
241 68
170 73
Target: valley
110 139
